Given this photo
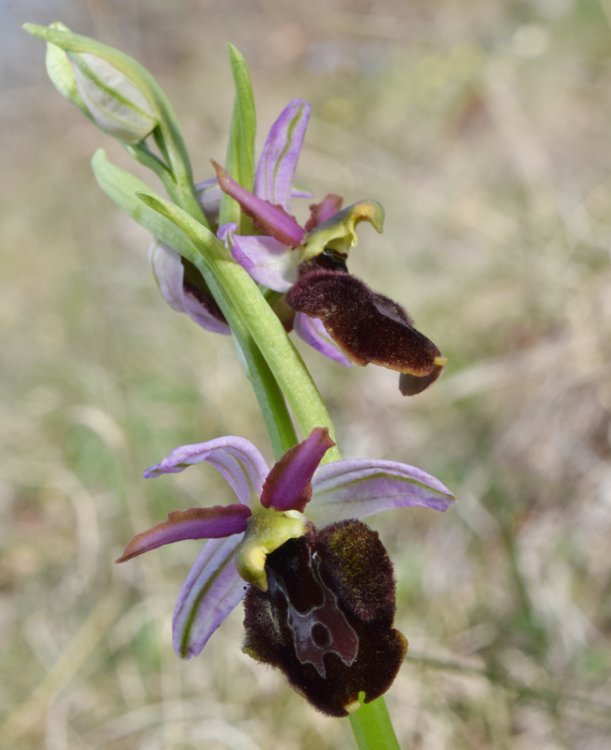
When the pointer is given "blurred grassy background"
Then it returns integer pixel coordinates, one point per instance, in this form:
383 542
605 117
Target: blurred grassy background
483 128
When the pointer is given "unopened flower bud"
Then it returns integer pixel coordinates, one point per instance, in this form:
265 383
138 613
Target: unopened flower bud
102 92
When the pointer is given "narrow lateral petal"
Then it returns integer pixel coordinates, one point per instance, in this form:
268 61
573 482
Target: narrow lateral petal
313 332
194 523
238 460
367 326
288 484
273 220
212 590
268 261
329 206
356 488
280 154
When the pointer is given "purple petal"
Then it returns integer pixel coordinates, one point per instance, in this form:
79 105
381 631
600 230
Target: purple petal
278 161
238 460
268 261
212 589
314 333
209 196
273 220
357 488
194 523
297 193
288 484
170 275
225 231
200 314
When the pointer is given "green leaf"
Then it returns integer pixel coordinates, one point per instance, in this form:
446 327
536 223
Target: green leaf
240 160
200 237
123 188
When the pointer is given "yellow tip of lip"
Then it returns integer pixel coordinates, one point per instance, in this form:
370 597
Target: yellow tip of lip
352 707
440 361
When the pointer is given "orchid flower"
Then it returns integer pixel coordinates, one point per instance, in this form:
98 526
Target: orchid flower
180 284
333 311
256 543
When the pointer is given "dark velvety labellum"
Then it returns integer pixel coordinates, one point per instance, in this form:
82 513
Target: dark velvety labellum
328 260
411 385
326 617
367 326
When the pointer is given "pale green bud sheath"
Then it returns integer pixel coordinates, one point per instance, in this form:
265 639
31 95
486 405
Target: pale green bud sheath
61 73
102 92
113 101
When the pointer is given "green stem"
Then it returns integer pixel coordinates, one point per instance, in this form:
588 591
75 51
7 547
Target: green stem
372 727
273 406
280 354
259 371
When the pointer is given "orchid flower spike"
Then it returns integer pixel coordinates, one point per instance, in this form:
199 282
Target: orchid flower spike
319 603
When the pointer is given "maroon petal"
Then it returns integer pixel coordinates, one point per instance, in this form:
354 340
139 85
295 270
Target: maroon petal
273 220
319 212
367 326
194 523
288 485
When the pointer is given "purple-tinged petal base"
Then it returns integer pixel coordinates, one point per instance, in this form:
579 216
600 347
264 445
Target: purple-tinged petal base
209 196
238 460
268 261
194 523
212 590
288 484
